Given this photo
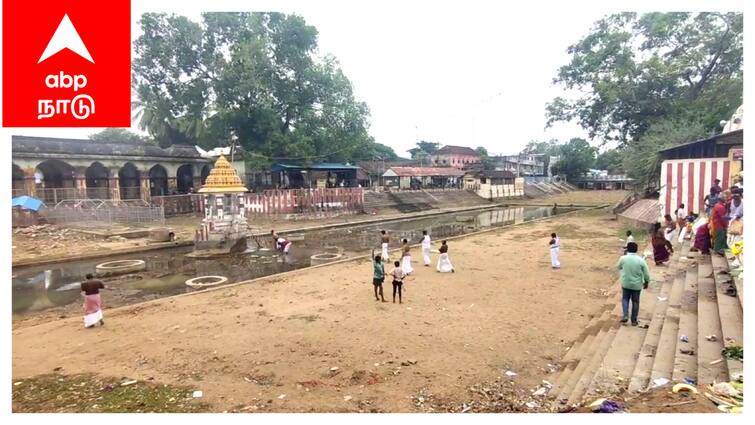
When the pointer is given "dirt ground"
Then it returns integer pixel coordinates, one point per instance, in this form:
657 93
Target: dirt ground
585 197
316 339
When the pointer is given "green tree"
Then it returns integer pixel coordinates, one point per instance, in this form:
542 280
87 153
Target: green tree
119 135
611 160
424 149
252 77
575 158
486 161
636 70
642 161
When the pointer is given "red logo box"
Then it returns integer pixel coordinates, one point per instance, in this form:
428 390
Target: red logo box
66 63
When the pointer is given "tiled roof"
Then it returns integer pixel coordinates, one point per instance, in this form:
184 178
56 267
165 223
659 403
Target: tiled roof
51 145
455 150
427 171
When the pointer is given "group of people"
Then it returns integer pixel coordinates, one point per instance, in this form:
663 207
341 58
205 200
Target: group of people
717 230
402 269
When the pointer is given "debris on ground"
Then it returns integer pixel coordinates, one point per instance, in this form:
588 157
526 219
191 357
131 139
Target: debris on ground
659 382
604 405
684 387
735 352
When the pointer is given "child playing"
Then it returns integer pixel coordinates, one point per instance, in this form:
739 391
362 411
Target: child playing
630 239
398 280
378 276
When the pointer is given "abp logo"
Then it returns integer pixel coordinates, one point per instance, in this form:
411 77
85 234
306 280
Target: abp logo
66 64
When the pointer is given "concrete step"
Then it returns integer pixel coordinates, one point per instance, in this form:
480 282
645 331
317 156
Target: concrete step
615 370
591 343
709 368
574 354
663 364
593 364
729 311
644 365
685 365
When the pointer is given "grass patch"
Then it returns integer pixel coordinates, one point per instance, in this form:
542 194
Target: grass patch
89 393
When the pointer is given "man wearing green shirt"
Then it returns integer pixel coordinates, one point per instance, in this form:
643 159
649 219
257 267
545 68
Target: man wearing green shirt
635 277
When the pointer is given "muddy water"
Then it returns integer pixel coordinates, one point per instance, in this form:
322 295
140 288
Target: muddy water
37 289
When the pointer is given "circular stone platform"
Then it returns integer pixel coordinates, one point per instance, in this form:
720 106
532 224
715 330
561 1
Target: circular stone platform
112 268
206 281
325 257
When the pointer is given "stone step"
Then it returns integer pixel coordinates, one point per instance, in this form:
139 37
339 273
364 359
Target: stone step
709 368
593 364
644 365
729 311
576 351
685 365
615 370
663 364
591 343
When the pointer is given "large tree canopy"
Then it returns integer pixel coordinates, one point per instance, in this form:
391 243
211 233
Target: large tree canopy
424 149
633 71
119 135
250 77
575 158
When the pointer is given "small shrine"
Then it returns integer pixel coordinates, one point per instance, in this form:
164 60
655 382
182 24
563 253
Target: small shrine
224 227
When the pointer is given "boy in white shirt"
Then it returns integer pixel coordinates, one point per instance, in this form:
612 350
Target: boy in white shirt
398 275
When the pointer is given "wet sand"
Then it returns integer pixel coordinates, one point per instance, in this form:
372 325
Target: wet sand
319 337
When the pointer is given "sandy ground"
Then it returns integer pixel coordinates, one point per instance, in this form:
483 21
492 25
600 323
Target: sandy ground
316 339
585 197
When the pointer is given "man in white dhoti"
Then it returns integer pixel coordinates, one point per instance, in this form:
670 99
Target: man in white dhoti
426 248
406 258
444 262
384 238
555 246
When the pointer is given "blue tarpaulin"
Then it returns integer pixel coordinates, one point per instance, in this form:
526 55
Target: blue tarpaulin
27 202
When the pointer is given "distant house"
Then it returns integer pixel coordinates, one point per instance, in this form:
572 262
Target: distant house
454 156
525 165
422 177
491 184
372 171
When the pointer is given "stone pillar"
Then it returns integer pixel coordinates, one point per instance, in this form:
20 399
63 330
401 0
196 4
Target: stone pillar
80 183
114 186
145 191
30 182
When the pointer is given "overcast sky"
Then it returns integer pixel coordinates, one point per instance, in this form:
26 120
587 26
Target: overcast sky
469 76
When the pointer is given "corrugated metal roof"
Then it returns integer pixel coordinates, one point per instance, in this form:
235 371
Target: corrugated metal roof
730 135
425 172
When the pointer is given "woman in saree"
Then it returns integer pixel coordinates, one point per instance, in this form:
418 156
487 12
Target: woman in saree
702 240
662 248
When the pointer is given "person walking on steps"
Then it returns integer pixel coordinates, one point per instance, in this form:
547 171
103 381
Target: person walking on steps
635 276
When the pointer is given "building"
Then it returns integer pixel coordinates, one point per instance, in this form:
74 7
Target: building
492 184
524 165
601 180
54 169
688 170
454 156
373 170
322 175
422 177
